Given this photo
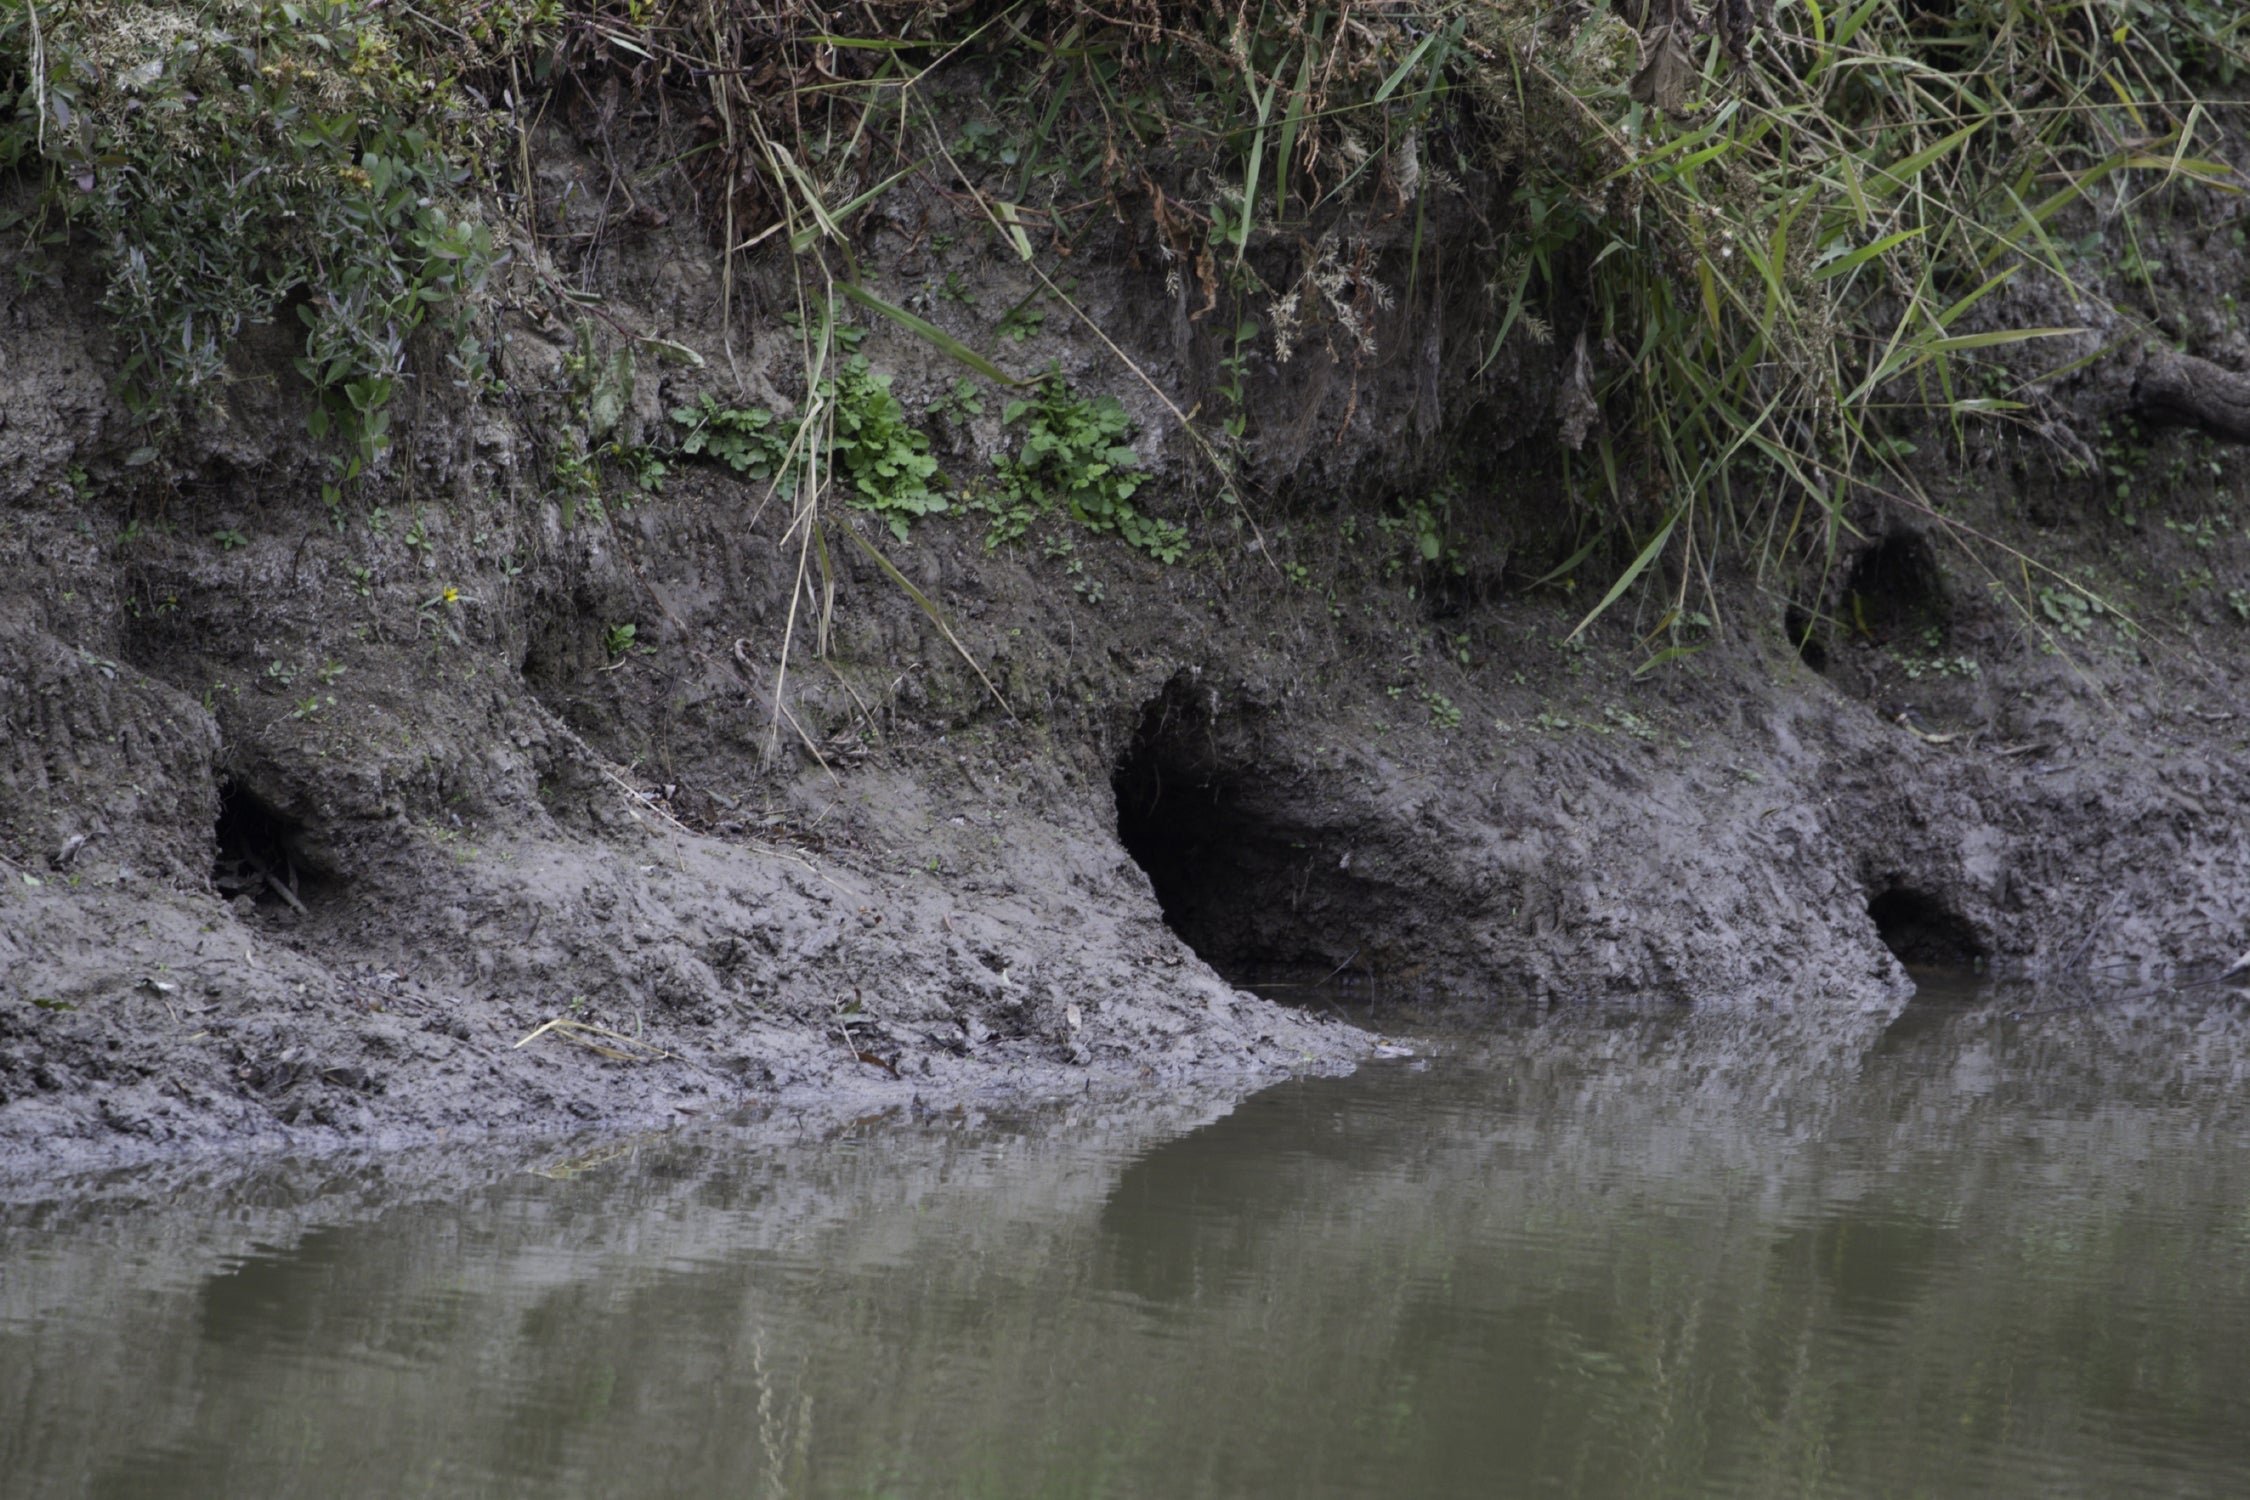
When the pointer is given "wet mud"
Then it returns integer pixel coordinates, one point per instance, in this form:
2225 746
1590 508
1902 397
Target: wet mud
319 831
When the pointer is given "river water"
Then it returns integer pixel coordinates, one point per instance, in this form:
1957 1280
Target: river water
1954 1250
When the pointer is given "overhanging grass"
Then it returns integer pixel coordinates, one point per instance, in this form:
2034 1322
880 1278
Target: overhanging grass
1760 254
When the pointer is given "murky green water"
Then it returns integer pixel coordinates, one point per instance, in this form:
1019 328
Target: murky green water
1650 1254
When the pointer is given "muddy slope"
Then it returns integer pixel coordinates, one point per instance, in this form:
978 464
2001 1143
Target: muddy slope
307 823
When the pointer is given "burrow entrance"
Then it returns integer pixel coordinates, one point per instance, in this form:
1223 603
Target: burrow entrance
1243 868
1923 930
259 856
1896 592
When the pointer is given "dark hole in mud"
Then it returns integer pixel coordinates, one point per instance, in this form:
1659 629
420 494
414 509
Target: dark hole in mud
1896 593
1804 635
1922 930
258 855
1258 894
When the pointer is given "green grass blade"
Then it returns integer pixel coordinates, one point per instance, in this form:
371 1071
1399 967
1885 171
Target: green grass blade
944 342
1685 140
1264 104
1993 340
1294 120
1639 566
1845 264
1899 174
922 601
1405 69
1852 23
804 237
1570 564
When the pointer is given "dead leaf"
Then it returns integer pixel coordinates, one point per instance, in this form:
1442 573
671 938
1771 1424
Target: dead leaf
1575 406
1667 69
1738 22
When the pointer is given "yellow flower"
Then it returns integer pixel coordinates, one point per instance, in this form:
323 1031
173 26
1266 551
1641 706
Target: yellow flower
452 595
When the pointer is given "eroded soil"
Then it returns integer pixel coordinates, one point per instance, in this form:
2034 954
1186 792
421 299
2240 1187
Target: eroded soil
307 824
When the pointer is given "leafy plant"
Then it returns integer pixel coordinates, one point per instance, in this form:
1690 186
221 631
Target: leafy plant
1075 457
1966 667
2072 613
1020 323
642 463
223 159
744 438
1232 386
869 442
885 456
957 404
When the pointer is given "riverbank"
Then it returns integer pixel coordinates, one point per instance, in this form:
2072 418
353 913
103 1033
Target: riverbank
567 767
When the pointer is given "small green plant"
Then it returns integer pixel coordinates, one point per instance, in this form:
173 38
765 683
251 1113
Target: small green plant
1625 721
1965 667
885 456
872 445
229 539
846 335
618 640
577 484
1232 385
981 141
1431 517
963 401
2071 612
2202 534
1019 323
1075 457
641 462
1444 714
744 438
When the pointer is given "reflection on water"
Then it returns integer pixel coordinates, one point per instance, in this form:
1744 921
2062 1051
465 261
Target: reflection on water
1954 1251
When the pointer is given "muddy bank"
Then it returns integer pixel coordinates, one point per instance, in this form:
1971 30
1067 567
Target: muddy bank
309 821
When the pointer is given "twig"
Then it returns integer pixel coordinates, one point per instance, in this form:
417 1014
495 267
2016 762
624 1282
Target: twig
2078 955
570 1030
285 893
